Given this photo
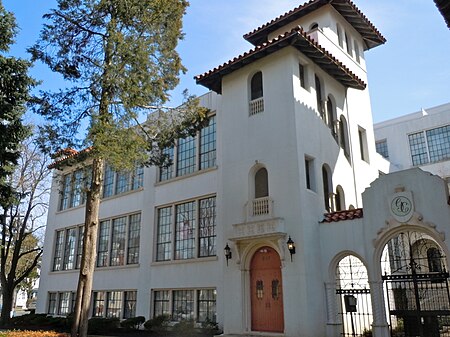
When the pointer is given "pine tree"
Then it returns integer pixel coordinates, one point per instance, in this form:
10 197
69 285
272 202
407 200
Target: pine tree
120 57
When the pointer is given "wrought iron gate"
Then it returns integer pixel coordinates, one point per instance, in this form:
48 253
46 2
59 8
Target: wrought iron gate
416 287
354 300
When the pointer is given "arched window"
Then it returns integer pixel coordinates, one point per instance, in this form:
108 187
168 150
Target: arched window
313 26
319 96
256 86
327 188
261 183
343 136
331 113
340 198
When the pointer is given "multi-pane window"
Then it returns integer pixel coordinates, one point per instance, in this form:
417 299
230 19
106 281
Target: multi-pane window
118 241
161 303
70 246
206 308
191 153
129 304
67 249
187 230
99 304
64 303
52 303
79 246
59 252
75 184
207 227
118 244
183 304
186 155
121 182
430 146
114 304
61 303
164 235
208 145
382 148
103 244
73 189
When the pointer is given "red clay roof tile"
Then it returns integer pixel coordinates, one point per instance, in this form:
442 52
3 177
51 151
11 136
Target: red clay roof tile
343 215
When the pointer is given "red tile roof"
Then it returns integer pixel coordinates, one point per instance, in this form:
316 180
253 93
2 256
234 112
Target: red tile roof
296 38
343 215
66 154
444 8
346 8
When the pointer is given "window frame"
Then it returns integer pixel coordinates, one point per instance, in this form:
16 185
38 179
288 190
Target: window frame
204 147
173 242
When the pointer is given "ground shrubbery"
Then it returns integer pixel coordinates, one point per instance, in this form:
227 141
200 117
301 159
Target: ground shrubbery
27 333
59 326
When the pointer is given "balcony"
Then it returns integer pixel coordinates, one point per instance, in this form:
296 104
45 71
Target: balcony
259 208
256 106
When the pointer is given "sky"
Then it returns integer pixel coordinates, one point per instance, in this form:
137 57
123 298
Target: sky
408 73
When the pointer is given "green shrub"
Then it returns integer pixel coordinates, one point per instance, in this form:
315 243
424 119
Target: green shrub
98 325
184 328
133 322
210 327
157 323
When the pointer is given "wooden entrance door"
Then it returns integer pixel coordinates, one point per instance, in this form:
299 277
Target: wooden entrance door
266 291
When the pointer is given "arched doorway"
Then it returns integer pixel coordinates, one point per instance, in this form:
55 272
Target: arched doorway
416 285
266 288
353 294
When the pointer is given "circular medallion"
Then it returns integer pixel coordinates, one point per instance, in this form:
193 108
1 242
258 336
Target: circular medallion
401 206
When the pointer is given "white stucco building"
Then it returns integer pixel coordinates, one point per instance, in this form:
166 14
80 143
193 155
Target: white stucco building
420 139
289 153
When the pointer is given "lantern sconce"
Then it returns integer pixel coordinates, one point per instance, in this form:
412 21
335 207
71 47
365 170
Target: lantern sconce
291 246
227 252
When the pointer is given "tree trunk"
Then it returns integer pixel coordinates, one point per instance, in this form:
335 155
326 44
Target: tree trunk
83 300
7 305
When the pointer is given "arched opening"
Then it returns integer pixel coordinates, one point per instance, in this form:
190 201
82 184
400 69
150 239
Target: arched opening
416 285
313 26
319 96
331 116
343 136
353 296
327 188
261 183
256 86
266 288
340 198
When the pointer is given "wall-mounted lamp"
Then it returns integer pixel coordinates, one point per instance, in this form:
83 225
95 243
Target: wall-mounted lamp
227 252
291 246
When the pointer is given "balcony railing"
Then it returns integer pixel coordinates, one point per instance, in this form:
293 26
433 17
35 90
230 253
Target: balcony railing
261 207
256 106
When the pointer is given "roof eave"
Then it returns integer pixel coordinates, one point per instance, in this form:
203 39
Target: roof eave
346 8
299 40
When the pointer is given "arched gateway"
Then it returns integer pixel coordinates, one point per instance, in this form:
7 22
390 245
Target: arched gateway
266 288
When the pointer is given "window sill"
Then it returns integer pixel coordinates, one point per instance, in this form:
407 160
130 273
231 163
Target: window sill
195 260
107 268
193 174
